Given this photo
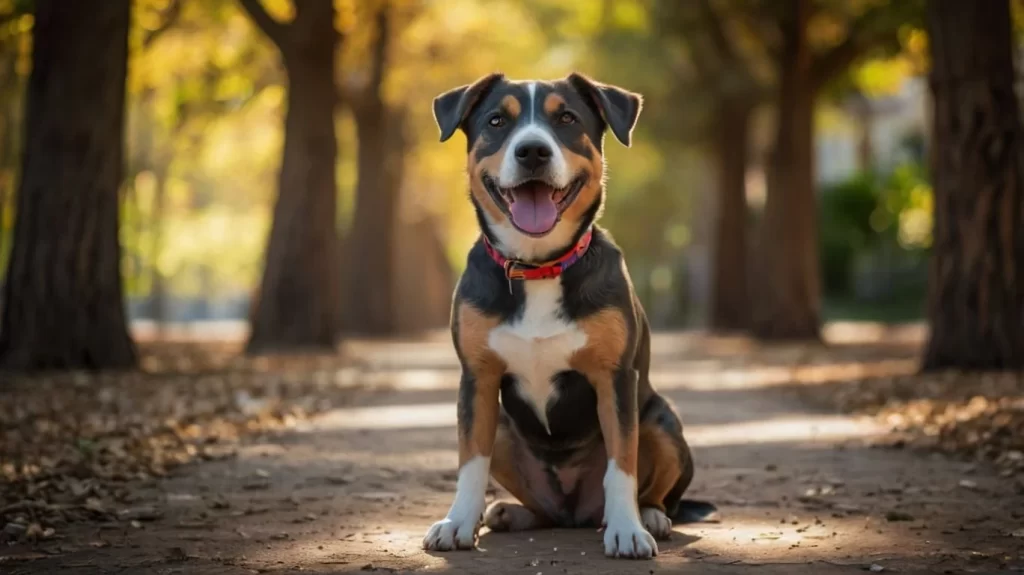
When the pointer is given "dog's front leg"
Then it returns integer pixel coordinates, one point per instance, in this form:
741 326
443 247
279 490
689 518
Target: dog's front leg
478 418
625 535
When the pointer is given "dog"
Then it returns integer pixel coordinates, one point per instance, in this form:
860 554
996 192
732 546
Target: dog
554 400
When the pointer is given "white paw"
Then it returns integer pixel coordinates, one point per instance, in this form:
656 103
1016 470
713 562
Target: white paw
656 522
628 539
505 516
451 534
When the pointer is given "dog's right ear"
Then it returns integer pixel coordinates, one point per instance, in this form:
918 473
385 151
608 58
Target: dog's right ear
452 107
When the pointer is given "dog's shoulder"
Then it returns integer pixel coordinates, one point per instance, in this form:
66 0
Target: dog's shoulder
483 285
599 280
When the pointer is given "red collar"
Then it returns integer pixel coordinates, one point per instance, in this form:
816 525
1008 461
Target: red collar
517 270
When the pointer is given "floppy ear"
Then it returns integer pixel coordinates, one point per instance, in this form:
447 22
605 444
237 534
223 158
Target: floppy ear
452 107
619 108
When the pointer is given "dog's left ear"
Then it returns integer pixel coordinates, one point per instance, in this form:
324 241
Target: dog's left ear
452 107
619 108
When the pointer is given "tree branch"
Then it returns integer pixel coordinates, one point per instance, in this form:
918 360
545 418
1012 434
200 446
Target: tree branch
276 31
866 32
380 50
170 17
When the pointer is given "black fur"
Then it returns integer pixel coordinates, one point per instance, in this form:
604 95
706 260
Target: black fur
597 281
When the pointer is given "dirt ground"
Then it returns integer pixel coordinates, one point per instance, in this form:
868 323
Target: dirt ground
354 489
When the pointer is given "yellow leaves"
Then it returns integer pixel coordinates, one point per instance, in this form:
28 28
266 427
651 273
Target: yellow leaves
280 10
882 77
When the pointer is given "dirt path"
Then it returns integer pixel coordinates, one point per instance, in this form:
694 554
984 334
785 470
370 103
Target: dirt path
355 490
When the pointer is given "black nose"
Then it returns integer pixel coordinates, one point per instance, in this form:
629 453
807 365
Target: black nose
532 155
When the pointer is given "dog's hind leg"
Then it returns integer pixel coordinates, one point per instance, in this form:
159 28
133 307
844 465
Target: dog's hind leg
665 470
659 471
522 475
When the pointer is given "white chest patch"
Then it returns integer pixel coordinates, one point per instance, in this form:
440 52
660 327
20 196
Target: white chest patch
539 345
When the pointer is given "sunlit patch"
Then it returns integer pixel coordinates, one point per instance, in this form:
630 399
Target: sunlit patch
797 429
809 428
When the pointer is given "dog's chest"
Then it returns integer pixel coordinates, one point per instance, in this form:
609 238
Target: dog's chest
539 345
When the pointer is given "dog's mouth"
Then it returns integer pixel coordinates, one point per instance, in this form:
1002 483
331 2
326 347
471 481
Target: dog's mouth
534 206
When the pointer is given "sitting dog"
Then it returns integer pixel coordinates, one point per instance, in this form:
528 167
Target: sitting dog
554 401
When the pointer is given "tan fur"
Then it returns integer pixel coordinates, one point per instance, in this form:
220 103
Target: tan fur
511 105
505 470
553 103
594 168
487 368
658 466
599 360
491 165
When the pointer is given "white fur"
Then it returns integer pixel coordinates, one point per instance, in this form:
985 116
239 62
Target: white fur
539 345
509 176
624 534
458 529
533 130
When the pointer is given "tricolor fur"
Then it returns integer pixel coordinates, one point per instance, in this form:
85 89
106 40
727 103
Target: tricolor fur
555 401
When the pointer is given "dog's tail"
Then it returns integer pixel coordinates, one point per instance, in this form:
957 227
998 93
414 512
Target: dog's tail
694 511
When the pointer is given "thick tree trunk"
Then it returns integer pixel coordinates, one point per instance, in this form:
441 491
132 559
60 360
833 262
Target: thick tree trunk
424 280
298 305
63 301
976 303
730 294
788 302
371 306
371 303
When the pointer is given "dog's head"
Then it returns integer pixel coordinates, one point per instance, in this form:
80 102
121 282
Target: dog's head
536 167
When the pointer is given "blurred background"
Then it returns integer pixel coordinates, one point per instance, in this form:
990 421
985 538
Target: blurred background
229 238
207 93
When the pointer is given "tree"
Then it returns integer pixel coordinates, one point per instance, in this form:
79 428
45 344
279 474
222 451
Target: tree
297 305
788 303
976 300
63 303
370 306
721 67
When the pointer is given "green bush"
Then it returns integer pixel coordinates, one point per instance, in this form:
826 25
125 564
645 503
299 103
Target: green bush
845 210
868 216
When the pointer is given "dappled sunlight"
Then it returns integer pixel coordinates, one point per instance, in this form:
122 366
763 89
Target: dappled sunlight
389 417
809 536
795 429
711 375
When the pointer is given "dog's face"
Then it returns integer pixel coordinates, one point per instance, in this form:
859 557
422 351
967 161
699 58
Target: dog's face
535 162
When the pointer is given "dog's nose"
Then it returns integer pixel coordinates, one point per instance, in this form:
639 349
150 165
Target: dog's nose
532 155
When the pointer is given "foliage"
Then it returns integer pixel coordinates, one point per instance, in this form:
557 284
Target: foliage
206 92
868 214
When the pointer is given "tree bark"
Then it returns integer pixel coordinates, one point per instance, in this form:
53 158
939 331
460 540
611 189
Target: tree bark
730 294
788 303
424 280
371 308
976 300
63 303
298 305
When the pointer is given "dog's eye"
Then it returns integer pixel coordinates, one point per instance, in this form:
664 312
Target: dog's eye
566 118
496 121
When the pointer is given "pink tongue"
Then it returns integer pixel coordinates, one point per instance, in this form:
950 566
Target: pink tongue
533 210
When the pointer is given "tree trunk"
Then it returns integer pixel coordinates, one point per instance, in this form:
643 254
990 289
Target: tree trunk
424 280
371 243
789 292
370 295
730 295
298 306
158 285
63 304
976 300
